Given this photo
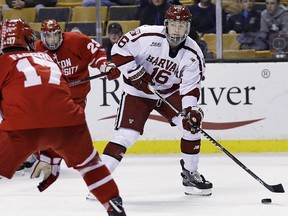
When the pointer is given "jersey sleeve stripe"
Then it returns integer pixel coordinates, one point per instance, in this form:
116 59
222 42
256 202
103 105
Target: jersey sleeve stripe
195 92
120 60
149 35
201 63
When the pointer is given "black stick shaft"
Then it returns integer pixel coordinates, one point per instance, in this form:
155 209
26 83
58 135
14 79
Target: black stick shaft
78 82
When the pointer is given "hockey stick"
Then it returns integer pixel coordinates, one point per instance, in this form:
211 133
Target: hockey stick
78 82
273 188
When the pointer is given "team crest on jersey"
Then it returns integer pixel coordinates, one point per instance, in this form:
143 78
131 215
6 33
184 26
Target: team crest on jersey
156 44
192 59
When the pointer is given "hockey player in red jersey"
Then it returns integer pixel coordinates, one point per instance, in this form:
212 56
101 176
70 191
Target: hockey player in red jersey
74 53
39 114
166 57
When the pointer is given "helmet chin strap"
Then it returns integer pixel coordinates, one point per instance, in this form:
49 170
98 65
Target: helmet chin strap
174 42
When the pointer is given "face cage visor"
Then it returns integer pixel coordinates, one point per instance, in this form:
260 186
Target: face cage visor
52 39
176 31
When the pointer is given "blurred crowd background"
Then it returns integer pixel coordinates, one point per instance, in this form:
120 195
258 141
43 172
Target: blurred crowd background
250 29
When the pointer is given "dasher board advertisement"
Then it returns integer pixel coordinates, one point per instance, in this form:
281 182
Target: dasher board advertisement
241 101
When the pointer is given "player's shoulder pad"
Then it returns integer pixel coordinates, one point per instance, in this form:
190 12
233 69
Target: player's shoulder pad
152 28
39 45
192 44
38 42
146 29
74 36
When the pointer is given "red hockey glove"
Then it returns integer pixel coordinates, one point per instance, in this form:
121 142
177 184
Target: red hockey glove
114 73
140 80
50 167
111 69
192 118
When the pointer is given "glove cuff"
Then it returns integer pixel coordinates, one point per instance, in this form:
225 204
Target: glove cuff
199 110
49 160
189 100
136 74
106 67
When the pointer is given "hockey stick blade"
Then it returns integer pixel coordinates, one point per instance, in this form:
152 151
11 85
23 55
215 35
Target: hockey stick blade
273 188
78 82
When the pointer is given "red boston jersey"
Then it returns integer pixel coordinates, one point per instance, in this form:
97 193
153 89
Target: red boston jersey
34 93
74 55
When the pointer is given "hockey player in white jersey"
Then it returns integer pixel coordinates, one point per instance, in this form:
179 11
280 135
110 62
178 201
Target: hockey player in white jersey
166 57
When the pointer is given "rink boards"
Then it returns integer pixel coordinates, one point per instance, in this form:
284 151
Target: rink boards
245 106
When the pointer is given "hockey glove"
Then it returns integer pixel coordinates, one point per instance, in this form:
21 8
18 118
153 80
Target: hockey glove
50 167
140 80
192 118
111 69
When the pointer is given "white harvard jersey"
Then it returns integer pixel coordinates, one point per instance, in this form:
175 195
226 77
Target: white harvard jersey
181 69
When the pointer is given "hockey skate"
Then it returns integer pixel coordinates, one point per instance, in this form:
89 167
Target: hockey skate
26 165
20 171
30 161
116 208
91 197
196 184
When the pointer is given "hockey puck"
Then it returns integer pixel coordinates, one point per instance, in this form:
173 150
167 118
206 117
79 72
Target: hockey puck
266 201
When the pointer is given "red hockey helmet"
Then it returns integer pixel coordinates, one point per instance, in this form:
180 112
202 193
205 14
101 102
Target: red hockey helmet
51 34
177 16
178 12
17 33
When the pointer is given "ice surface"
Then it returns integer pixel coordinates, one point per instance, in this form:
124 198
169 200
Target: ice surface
150 185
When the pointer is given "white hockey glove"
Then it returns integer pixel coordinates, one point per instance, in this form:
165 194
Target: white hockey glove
192 118
112 71
50 167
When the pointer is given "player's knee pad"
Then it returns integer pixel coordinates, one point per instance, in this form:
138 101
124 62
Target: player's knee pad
190 146
114 150
93 160
125 137
112 155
